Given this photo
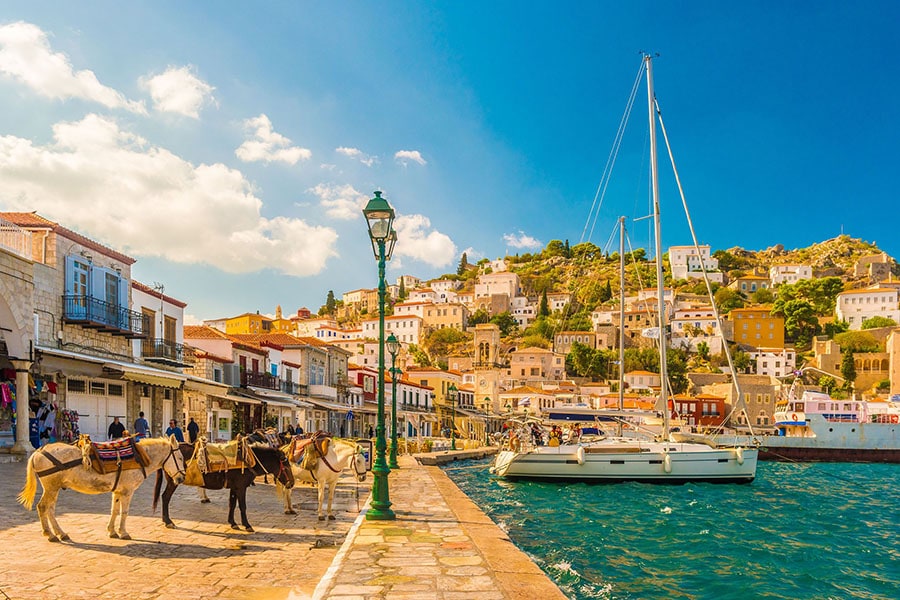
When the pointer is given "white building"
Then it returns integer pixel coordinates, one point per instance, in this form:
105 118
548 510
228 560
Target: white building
406 328
856 306
776 362
687 263
779 274
503 283
523 311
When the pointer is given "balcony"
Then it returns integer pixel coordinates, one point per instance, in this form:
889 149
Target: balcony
15 239
98 314
295 389
260 380
164 352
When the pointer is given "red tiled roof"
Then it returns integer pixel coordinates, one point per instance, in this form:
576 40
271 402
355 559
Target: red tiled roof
203 332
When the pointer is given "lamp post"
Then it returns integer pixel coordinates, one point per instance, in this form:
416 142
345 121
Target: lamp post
393 348
451 396
380 218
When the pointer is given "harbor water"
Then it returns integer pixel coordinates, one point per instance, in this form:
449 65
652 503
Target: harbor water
800 530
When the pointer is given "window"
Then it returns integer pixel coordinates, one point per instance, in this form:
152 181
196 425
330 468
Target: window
98 388
115 389
76 386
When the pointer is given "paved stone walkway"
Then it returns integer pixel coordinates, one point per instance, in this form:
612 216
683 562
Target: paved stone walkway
202 559
441 547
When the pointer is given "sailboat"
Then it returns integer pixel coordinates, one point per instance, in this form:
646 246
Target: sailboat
664 459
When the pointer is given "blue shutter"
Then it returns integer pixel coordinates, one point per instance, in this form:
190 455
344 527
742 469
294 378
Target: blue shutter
70 275
124 306
97 288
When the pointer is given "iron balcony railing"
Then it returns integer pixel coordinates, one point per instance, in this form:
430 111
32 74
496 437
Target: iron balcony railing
262 380
162 350
99 314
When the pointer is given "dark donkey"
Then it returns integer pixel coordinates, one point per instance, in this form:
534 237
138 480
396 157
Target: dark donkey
269 461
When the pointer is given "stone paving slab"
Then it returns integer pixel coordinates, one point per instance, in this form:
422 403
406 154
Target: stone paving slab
440 547
202 559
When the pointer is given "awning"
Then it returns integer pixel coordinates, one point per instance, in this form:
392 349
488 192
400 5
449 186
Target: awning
125 370
332 405
205 386
281 403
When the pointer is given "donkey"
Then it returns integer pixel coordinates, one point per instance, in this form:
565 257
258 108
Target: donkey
237 479
62 466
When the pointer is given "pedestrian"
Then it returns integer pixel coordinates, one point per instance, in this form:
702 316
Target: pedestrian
141 426
371 432
116 429
175 430
289 430
193 431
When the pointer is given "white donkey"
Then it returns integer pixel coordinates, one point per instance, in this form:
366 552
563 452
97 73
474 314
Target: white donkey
60 466
338 455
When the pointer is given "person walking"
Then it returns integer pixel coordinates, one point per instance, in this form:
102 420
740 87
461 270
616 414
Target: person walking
116 429
193 431
175 430
141 426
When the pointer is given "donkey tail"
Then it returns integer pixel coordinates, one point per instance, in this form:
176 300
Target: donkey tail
156 487
26 496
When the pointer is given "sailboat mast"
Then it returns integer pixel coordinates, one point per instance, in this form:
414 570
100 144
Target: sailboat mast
621 318
660 287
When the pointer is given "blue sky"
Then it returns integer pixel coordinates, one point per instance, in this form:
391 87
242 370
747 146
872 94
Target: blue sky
228 146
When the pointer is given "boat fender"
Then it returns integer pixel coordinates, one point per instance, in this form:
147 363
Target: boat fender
894 418
739 453
794 417
667 463
579 455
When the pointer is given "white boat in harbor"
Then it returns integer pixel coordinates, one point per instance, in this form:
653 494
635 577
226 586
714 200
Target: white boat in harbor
813 426
619 458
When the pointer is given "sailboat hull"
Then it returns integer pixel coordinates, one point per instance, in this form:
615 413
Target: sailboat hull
652 462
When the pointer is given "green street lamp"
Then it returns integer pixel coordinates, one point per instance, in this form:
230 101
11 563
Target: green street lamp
380 218
393 348
452 393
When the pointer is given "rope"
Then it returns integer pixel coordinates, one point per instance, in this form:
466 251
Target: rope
809 465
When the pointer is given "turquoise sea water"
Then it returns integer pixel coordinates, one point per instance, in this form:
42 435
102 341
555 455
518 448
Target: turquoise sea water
798 531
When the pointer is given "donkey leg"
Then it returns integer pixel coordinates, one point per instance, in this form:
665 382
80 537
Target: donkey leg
285 495
166 497
204 499
242 501
114 509
331 489
321 499
232 502
124 505
45 509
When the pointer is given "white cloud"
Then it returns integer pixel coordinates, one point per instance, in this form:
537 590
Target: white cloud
191 319
178 90
415 241
405 156
144 200
522 240
25 56
472 255
266 145
340 201
357 154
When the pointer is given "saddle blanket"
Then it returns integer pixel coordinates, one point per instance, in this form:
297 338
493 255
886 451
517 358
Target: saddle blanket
108 457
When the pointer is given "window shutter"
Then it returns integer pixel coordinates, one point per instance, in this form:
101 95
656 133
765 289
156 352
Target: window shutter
97 277
70 275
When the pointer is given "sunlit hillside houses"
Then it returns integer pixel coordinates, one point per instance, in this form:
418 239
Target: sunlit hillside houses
855 306
686 262
790 274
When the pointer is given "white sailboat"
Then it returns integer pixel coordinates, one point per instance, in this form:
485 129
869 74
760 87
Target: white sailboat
616 459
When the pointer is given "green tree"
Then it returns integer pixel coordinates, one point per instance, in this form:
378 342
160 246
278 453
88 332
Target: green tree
729 261
800 322
703 350
544 307
402 293
835 327
438 342
741 361
606 293
554 248
820 293
479 317
858 341
827 383
676 366
419 355
463 264
584 361
878 321
762 296
330 304
727 300
848 369
534 341
506 322
585 251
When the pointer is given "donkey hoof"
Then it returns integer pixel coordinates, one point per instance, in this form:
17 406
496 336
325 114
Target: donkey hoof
234 526
205 501
124 536
113 535
290 512
65 538
249 529
331 517
321 518
52 538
